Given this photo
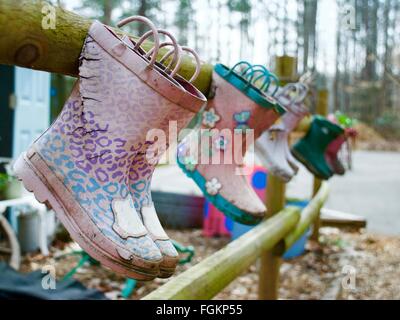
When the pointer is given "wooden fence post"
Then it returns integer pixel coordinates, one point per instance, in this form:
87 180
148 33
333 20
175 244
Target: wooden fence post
270 261
322 109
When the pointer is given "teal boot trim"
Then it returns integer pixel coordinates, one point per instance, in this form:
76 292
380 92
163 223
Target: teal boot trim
218 201
248 89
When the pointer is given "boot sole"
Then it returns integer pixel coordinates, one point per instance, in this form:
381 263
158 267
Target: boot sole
221 203
166 273
49 190
167 267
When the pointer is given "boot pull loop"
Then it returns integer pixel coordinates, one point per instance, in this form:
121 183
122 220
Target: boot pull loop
275 81
168 54
196 57
237 65
307 78
264 75
302 90
176 60
198 63
241 74
153 31
287 90
252 70
176 50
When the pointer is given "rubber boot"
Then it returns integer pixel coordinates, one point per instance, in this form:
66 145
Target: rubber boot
212 156
311 149
81 165
272 147
331 155
141 170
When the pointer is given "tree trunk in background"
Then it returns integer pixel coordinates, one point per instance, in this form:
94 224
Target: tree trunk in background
386 59
142 11
306 39
230 28
314 34
107 8
285 25
336 84
219 26
371 28
347 73
183 20
196 34
208 34
299 31
310 37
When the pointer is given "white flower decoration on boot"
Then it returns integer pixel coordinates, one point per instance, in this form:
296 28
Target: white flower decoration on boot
210 118
190 163
221 143
213 186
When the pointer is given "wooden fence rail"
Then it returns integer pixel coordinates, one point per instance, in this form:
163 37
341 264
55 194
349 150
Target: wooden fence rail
209 277
24 42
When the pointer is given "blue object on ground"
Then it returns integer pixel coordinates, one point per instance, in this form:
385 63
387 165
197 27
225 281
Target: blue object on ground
297 249
239 229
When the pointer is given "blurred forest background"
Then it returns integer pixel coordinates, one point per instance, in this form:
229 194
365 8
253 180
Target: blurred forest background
364 79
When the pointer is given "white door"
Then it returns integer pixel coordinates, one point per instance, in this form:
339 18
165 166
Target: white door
32 108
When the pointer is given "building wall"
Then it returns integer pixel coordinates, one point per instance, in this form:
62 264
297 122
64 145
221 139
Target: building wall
6 113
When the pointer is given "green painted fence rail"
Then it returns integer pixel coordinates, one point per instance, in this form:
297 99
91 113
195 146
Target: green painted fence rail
308 215
212 275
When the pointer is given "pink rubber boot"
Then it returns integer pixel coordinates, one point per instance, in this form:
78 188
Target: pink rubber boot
237 109
331 155
81 165
142 169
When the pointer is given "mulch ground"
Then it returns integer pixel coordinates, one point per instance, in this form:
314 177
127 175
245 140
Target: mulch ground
372 261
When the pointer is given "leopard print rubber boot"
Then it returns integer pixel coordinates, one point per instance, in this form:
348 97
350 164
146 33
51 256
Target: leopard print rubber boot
81 165
143 165
213 156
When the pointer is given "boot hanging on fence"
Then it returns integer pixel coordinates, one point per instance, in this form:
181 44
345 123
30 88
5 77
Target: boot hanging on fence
273 146
81 166
311 149
332 155
141 170
213 155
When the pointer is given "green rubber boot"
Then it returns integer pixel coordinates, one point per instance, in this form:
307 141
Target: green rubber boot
311 149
